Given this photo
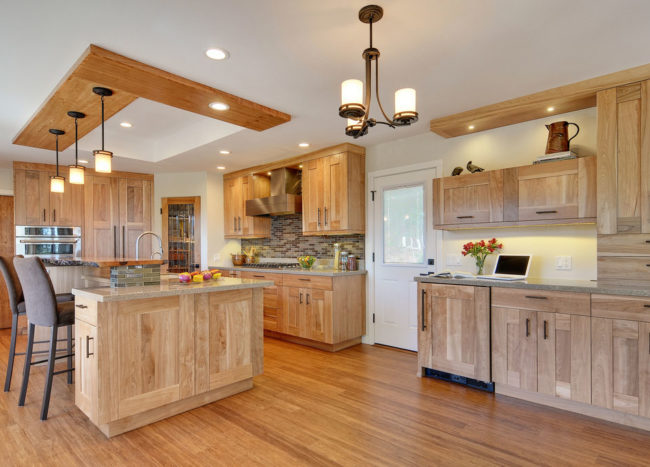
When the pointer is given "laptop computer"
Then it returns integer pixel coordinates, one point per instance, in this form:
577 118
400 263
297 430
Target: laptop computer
510 268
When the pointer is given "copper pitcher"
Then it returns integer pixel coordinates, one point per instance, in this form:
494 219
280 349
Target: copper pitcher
558 136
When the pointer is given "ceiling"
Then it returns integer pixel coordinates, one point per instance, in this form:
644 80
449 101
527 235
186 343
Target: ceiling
292 55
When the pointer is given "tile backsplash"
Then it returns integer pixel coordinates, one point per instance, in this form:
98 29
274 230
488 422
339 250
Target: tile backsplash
287 241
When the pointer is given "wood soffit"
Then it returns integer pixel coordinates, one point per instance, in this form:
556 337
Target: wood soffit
130 79
563 99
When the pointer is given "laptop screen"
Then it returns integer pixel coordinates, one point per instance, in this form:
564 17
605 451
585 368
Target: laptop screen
513 265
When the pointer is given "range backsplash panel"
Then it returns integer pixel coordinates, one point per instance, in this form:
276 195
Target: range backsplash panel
287 241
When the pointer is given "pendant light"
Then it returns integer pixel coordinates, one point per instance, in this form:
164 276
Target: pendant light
102 157
76 171
57 182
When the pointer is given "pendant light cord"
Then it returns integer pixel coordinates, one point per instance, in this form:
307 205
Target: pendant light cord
57 156
102 123
76 143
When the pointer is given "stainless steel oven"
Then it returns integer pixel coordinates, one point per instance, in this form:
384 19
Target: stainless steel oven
48 241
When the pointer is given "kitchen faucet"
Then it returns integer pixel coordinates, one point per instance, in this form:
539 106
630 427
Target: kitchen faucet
137 243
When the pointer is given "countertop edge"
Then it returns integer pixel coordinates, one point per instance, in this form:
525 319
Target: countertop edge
312 272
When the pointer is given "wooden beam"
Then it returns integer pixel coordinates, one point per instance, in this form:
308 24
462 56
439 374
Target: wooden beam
563 99
130 79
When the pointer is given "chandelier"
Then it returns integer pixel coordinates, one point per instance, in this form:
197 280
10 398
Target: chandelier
355 107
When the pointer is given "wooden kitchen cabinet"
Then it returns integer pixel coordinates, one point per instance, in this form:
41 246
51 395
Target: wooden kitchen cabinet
85 368
307 313
454 329
272 297
135 208
237 191
333 194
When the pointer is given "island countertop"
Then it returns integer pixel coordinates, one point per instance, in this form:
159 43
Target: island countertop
167 289
98 262
317 271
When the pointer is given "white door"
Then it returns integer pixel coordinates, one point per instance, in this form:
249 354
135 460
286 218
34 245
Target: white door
404 243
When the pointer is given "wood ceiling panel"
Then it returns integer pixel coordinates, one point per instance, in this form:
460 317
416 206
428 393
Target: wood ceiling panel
130 79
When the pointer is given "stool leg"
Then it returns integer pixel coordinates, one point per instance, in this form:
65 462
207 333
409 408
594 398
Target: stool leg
28 364
12 351
70 354
50 373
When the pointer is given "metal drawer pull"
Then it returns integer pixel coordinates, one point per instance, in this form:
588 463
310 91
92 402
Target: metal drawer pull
536 297
464 217
306 280
301 298
527 327
545 329
325 215
43 215
307 299
424 294
647 241
546 212
88 338
81 306
258 275
54 215
318 217
647 306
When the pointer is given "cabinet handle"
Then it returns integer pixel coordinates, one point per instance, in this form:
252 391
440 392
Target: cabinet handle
527 327
114 241
647 306
258 275
302 279
88 354
536 297
307 299
318 217
647 241
239 223
464 217
424 294
81 306
545 329
54 214
301 298
546 212
123 241
234 223
325 215
44 215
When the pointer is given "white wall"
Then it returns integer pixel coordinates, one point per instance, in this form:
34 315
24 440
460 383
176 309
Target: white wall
209 186
6 181
494 149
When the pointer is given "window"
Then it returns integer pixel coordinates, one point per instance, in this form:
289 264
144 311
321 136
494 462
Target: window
404 225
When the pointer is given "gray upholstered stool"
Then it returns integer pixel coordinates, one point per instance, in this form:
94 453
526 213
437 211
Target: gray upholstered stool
17 307
43 310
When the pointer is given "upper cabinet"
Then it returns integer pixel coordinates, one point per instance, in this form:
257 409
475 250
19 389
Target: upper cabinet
552 192
333 194
236 192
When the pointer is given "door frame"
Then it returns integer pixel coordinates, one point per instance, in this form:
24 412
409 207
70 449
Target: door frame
436 164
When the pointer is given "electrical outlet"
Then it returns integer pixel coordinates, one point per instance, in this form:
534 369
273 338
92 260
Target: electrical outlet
454 260
563 263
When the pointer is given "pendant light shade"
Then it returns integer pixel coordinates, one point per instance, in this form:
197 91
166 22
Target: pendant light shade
57 182
103 158
76 172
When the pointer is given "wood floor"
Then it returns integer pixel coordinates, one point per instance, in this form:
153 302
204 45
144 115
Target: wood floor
361 406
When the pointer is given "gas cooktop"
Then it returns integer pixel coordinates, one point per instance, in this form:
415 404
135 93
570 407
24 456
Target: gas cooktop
271 266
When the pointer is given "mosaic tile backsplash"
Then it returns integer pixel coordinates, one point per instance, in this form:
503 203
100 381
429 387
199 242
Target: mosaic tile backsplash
287 241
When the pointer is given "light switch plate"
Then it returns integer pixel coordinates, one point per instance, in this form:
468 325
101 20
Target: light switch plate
454 260
563 263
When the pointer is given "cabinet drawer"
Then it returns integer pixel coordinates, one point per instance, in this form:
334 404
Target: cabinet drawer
625 269
226 273
620 307
624 245
263 276
85 310
542 300
314 282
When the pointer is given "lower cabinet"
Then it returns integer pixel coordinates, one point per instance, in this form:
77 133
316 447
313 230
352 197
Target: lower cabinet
454 329
272 297
308 314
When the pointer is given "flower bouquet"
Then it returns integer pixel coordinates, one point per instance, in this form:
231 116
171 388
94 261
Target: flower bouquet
480 251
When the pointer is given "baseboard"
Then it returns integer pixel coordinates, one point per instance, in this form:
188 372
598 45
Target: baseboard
315 344
573 406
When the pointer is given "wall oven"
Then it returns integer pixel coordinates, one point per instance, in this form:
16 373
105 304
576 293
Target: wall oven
50 242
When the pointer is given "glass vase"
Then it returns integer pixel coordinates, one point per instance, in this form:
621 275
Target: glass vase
480 264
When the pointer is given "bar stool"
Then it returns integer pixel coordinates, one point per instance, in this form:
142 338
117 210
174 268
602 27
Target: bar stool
43 310
17 307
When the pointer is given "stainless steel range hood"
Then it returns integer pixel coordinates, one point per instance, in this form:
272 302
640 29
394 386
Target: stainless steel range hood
286 188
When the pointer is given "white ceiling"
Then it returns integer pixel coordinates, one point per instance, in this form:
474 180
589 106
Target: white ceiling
293 54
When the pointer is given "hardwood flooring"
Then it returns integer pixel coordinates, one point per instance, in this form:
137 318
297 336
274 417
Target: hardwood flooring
361 406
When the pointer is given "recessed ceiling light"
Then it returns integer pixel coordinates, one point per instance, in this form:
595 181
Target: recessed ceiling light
268 173
471 127
221 167
224 152
217 54
125 125
83 161
304 145
219 106
550 109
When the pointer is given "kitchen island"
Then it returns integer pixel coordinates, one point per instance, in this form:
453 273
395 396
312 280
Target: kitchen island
146 353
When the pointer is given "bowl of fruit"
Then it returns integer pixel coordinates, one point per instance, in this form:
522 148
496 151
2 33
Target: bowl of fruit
306 262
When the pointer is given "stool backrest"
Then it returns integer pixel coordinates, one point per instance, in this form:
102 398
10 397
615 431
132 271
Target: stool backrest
40 299
14 289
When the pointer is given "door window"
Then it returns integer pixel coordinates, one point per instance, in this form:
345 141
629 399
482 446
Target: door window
404 225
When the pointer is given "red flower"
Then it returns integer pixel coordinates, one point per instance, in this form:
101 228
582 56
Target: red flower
500 245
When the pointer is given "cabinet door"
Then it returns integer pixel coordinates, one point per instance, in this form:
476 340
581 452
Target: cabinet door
454 331
469 199
255 186
317 322
101 217
620 372
135 199
32 197
67 208
564 345
232 206
85 369
335 191
292 309
312 196
624 159
514 347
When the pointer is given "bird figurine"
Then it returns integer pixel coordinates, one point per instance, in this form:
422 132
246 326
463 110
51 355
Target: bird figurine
474 168
456 171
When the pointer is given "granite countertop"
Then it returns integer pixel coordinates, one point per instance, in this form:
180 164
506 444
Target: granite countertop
98 262
311 272
167 289
559 285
